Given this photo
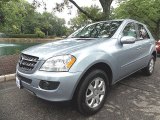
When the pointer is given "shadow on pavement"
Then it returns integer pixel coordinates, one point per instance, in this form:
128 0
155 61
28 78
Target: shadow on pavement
136 97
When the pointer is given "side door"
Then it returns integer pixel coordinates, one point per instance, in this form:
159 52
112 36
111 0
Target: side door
128 55
146 43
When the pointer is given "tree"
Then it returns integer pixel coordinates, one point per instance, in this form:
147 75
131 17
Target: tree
105 4
21 18
46 25
14 13
146 11
3 2
82 20
51 25
31 21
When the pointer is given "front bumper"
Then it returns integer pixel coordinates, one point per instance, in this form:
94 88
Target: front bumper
68 82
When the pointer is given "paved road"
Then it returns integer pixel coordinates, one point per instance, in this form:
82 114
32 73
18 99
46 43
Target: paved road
135 98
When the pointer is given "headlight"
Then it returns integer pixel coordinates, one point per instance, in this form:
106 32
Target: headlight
59 63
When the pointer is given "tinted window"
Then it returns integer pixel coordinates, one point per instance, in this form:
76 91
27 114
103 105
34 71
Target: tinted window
98 30
130 30
143 34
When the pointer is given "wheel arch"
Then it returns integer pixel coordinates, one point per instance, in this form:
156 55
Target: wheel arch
102 66
154 53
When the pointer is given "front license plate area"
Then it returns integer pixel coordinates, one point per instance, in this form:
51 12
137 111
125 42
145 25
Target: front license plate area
18 83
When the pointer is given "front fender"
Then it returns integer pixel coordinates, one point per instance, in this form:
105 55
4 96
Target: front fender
87 60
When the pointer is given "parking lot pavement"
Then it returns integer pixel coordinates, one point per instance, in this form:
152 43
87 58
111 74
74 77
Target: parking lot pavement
134 98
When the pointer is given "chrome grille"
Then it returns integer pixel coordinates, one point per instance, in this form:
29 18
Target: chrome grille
27 62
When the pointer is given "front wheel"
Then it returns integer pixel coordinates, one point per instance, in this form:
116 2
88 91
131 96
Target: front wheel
92 92
150 68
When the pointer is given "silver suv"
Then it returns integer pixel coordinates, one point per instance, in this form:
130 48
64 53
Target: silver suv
84 66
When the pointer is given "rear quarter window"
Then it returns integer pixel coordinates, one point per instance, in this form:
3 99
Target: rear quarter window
143 34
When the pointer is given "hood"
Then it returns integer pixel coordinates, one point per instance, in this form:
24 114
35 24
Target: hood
61 47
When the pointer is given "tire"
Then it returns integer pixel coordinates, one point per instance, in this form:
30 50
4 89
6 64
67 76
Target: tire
89 92
150 67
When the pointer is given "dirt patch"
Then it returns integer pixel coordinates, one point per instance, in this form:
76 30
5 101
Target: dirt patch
8 64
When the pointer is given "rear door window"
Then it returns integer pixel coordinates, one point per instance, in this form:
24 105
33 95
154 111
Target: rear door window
143 34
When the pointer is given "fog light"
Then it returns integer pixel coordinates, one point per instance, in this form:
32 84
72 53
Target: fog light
48 85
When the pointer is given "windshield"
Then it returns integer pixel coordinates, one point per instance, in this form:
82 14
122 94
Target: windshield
97 30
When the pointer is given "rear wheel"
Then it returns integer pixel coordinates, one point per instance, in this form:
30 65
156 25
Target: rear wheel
150 68
92 92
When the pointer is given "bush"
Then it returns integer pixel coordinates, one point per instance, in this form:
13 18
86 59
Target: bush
21 36
39 33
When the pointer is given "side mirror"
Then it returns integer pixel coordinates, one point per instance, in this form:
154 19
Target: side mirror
128 40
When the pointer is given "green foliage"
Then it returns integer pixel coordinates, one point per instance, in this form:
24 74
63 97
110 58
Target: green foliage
82 20
105 7
4 1
51 24
146 11
21 18
14 15
21 36
39 33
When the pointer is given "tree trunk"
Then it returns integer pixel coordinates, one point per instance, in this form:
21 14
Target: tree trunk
47 33
106 4
83 11
22 31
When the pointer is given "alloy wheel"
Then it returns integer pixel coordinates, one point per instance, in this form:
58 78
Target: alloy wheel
151 66
95 92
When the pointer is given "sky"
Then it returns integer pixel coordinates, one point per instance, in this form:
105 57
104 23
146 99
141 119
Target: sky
65 14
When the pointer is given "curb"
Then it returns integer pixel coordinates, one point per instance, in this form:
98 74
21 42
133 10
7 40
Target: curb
9 77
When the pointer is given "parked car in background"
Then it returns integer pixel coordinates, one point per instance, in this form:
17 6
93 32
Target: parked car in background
83 66
158 46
